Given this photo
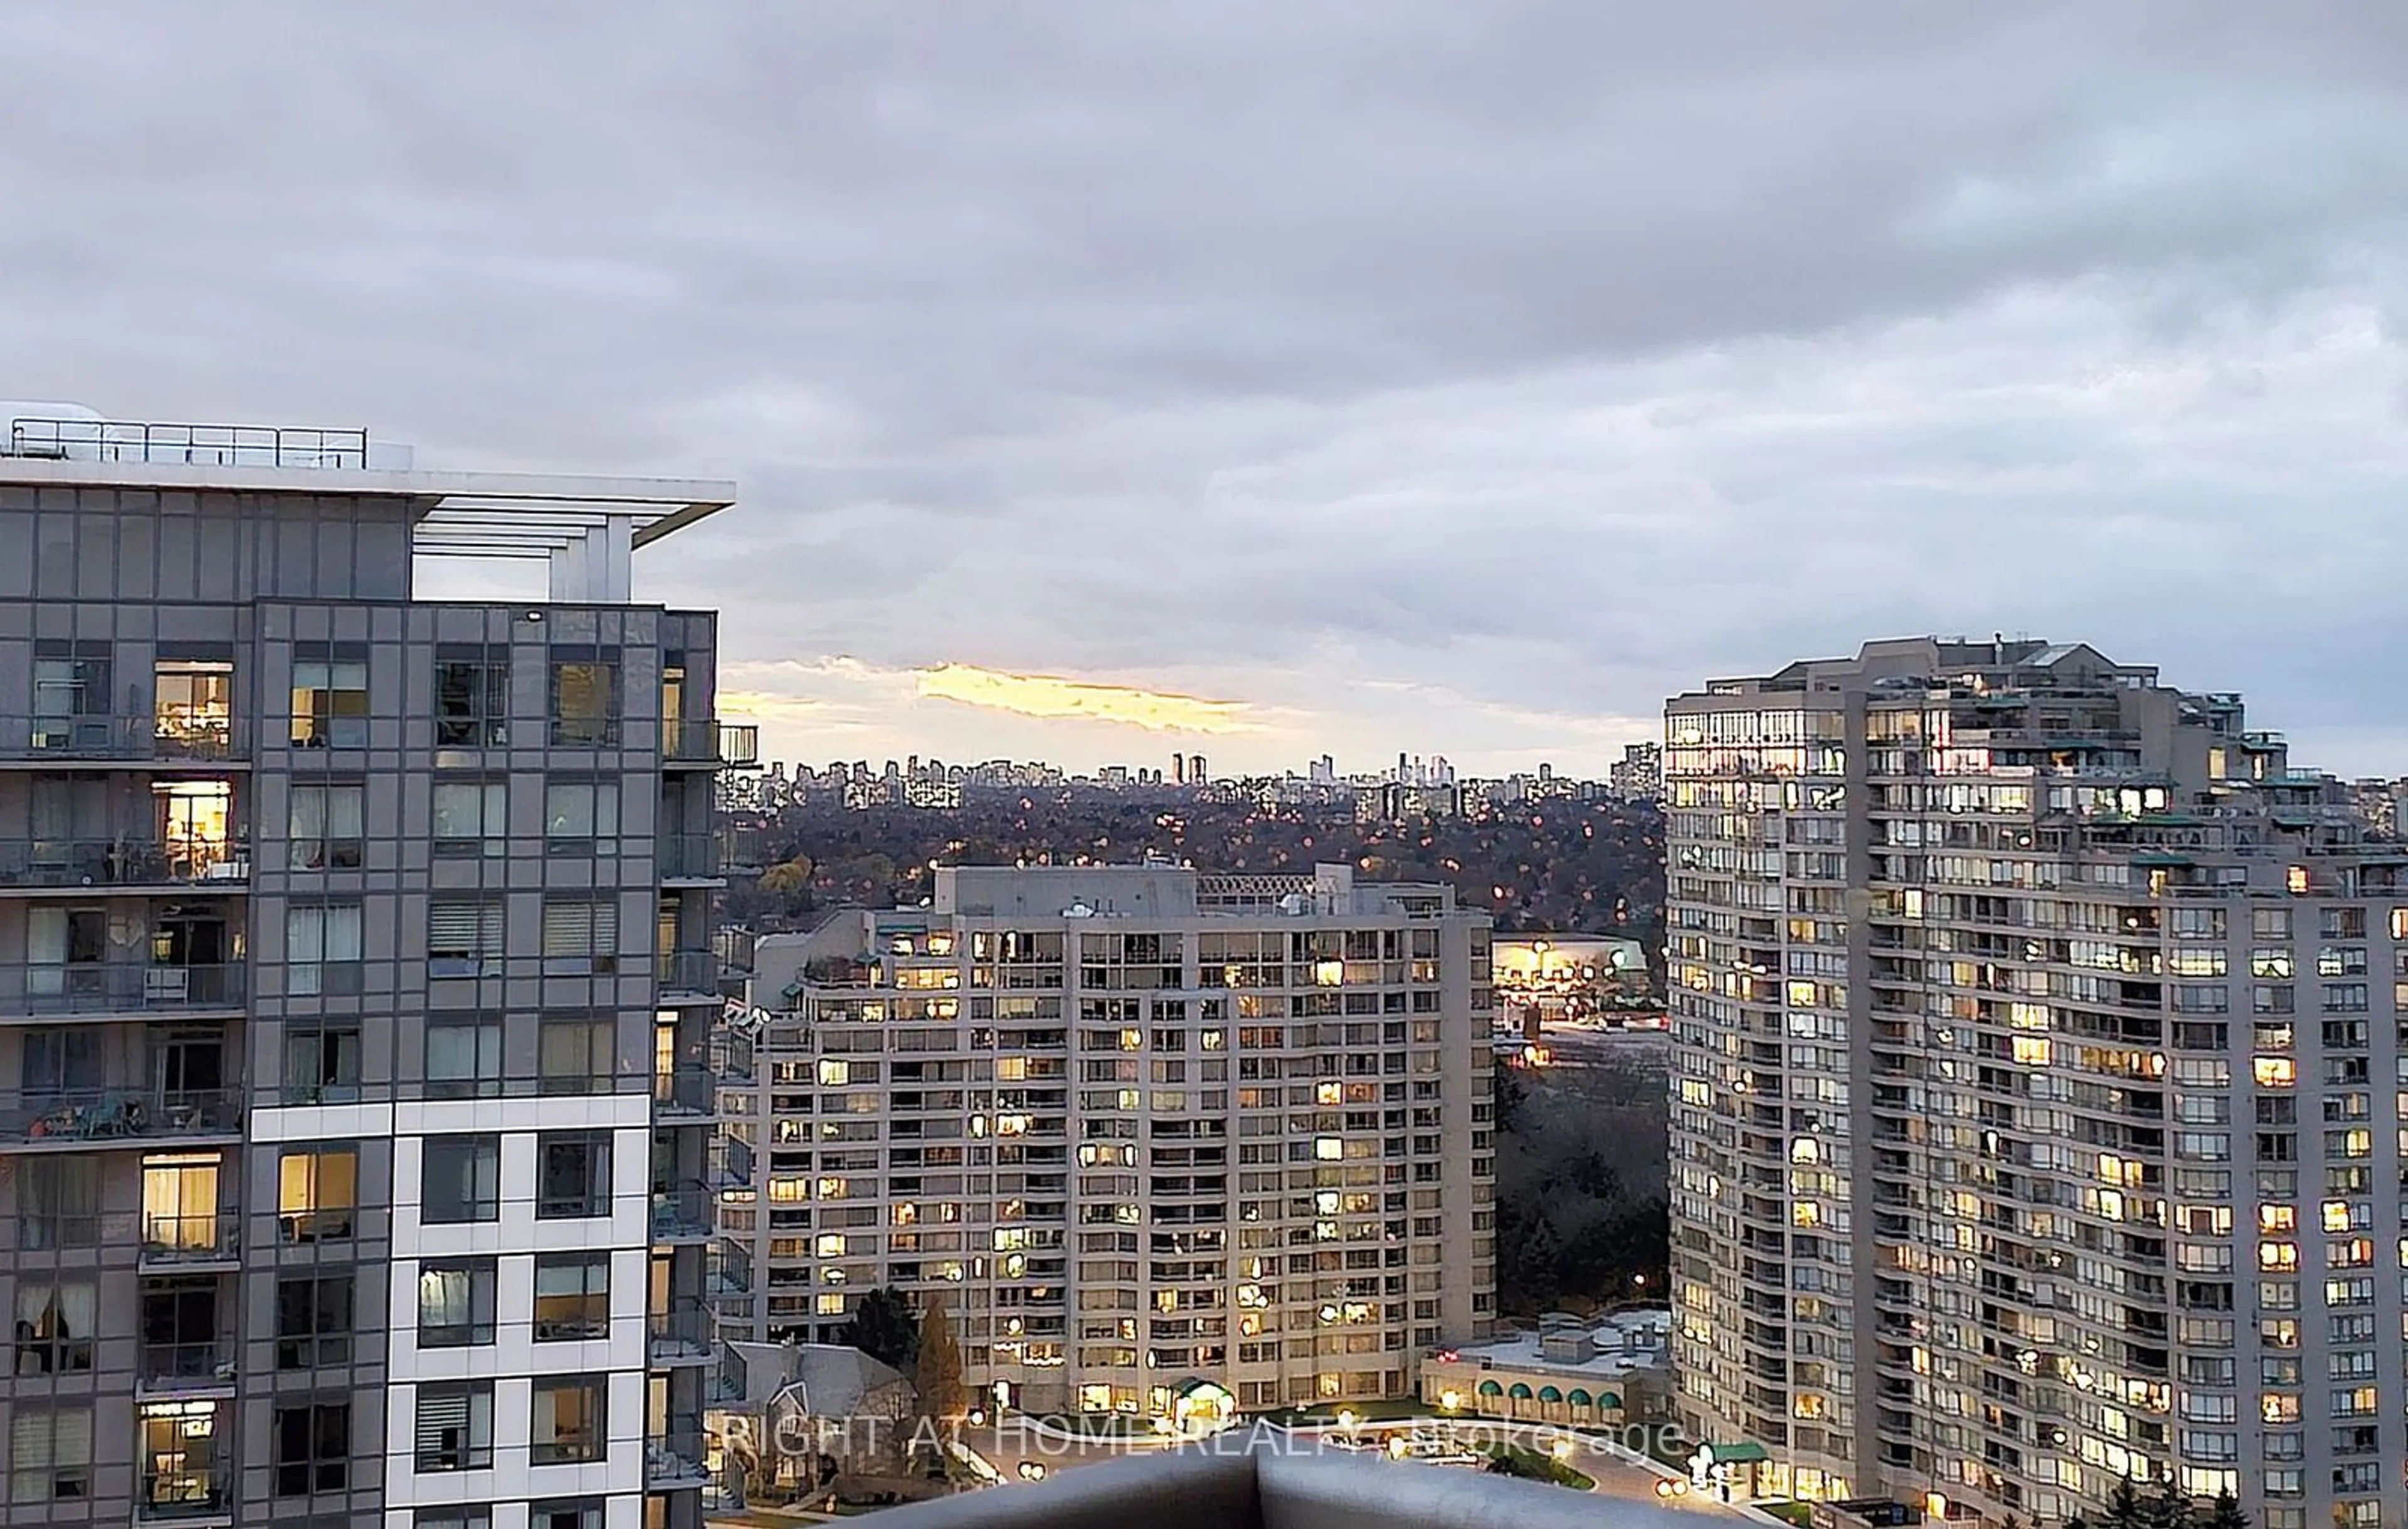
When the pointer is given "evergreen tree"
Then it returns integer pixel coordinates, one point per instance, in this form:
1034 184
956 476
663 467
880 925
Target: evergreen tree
2225 1513
883 1328
2125 1509
940 1374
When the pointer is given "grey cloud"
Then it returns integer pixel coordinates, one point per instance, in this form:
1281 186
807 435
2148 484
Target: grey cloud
1550 352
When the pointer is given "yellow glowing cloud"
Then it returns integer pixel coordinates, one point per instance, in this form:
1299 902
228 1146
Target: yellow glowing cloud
1050 696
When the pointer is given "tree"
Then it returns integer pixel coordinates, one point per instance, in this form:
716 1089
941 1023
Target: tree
2225 1513
2167 1508
883 1328
939 1376
2125 1509
788 876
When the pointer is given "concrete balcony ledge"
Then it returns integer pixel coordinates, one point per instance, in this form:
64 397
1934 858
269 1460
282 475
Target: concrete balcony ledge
1248 1477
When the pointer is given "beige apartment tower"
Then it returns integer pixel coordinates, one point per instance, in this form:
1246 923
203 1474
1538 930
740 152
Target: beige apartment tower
1163 1142
2038 1097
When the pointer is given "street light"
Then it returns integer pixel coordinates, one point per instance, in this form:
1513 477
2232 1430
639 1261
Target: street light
1348 1418
1450 1401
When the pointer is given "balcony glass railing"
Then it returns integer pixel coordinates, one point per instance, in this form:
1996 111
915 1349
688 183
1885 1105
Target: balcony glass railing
87 1115
689 1089
674 1460
118 988
79 863
708 740
204 1237
180 1365
690 972
688 856
724 1384
682 1332
180 738
683 1212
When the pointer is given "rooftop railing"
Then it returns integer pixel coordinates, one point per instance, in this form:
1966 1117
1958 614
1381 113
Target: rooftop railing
210 445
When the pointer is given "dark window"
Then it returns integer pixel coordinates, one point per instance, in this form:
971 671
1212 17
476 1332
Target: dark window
569 1513
314 1448
58 1202
475 1516
322 1066
584 702
572 1296
313 1322
455 1426
472 704
180 1331
460 1179
573 1173
455 1303
574 1054
60 1061
568 1420
464 1056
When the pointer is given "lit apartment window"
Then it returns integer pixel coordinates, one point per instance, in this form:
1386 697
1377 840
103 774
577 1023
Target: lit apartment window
470 817
455 1426
568 1420
584 699
330 703
460 1179
572 1296
455 1303
325 825
317 1192
50 1456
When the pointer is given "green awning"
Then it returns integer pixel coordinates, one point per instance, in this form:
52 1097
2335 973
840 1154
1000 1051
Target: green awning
1582 1398
1740 1454
1611 1399
1549 1393
1490 1388
1520 1391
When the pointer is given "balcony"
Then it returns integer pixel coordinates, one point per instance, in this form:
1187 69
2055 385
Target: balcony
171 740
216 445
729 1269
80 865
77 1117
673 1461
191 1241
179 1369
689 1090
725 1383
688 857
711 744
120 988
731 1164
681 1334
688 976
682 1213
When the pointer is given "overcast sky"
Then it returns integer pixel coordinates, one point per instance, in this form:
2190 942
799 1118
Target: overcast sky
1428 375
